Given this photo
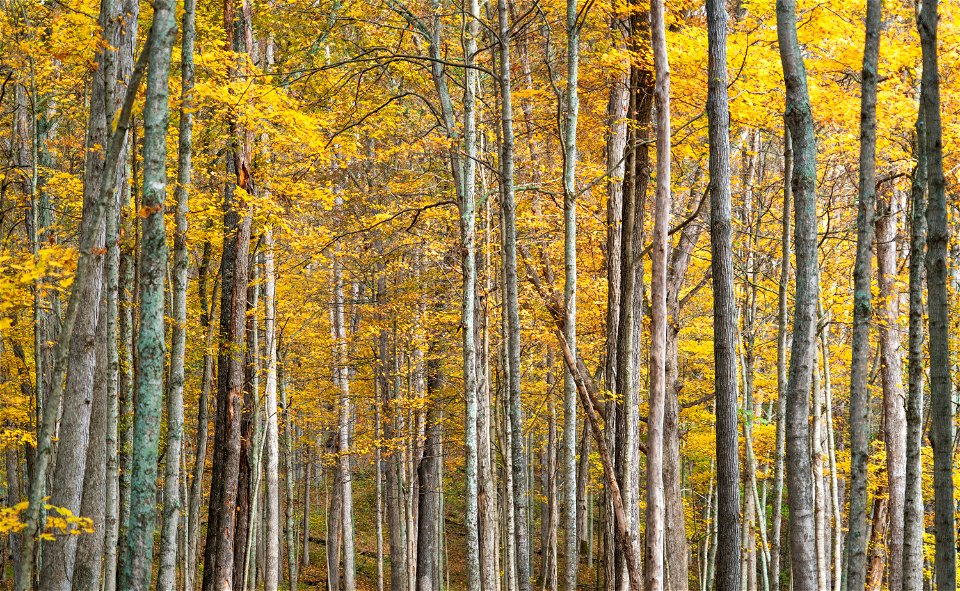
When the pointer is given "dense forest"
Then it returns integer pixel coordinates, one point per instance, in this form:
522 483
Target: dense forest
481 295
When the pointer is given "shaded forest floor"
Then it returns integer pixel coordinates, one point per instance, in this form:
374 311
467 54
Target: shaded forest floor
314 576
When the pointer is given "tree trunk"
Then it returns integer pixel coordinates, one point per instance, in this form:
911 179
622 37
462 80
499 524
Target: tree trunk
799 479
219 554
654 571
166 577
398 547
724 305
342 378
428 474
779 464
913 510
891 375
569 456
90 548
856 543
308 477
271 575
138 562
334 521
938 236
292 565
203 424
821 540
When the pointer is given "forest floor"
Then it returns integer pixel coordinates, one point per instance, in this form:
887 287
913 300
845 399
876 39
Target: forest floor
314 576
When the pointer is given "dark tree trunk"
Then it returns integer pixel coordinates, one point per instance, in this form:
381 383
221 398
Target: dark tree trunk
938 237
428 474
724 305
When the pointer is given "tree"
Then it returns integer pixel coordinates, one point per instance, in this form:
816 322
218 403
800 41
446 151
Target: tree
166 577
913 511
654 572
724 305
941 405
803 350
863 307
569 456
138 552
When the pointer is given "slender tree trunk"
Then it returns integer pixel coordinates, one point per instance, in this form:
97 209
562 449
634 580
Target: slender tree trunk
428 474
378 468
511 306
724 305
308 477
623 418
569 455
271 575
195 498
89 556
891 374
398 547
837 550
913 510
342 377
799 478
863 308
779 464
137 565
467 207
821 541
166 577
654 570
938 236
288 478
334 517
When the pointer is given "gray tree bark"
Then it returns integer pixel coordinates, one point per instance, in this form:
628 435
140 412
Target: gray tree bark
891 375
569 456
89 553
724 305
803 350
938 237
271 575
655 513
856 542
779 463
913 511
